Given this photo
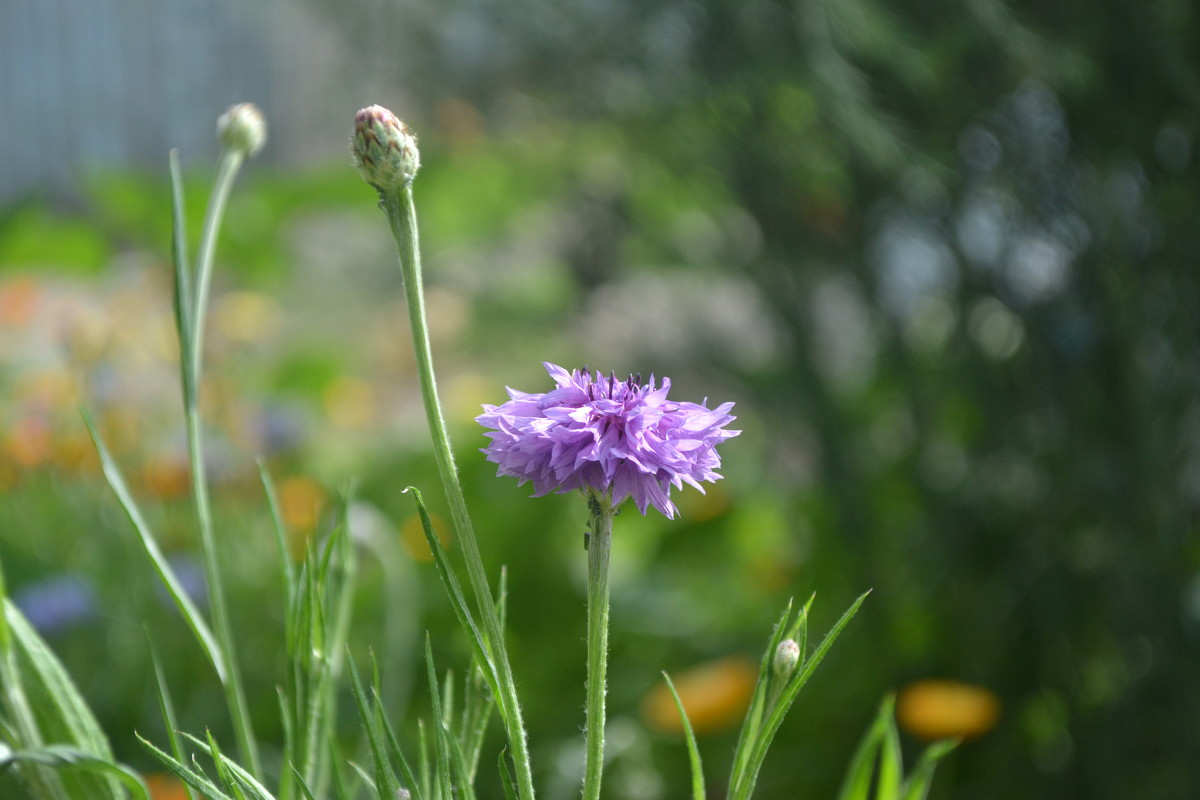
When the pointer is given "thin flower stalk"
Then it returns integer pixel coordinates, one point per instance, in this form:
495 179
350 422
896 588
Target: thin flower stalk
613 440
387 157
599 548
231 159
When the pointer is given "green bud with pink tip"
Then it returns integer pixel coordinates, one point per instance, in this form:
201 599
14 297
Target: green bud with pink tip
384 149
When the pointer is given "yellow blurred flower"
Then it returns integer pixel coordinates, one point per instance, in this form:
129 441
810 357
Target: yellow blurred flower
245 317
714 695
412 537
934 709
350 403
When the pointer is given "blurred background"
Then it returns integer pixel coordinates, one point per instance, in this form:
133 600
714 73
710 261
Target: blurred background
943 256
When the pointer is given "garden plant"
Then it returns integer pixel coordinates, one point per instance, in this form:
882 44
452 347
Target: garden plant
610 439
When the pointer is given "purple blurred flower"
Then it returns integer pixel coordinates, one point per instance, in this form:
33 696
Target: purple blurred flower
607 435
57 603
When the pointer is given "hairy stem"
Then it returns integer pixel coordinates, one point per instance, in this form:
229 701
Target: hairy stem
599 546
402 216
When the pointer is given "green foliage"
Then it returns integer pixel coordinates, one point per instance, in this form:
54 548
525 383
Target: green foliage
876 771
47 724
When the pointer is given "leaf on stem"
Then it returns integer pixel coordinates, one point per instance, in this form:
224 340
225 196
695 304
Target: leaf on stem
690 737
457 600
174 586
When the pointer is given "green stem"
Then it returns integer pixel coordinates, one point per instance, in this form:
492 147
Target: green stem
227 170
402 217
599 546
231 682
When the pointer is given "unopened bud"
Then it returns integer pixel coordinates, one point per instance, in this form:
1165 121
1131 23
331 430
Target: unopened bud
787 656
242 127
403 794
385 150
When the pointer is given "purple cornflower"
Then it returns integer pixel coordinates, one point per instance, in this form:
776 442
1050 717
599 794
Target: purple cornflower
607 435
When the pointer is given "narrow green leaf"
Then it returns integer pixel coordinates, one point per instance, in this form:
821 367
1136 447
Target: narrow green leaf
238 774
192 777
428 786
506 777
365 777
5 638
740 781
406 773
219 765
891 762
191 614
287 777
441 747
857 783
342 788
800 632
917 785
385 779
778 712
167 708
690 736
72 758
287 569
52 709
457 600
183 280
308 795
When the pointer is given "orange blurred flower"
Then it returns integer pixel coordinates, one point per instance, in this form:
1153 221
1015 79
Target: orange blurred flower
933 709
163 786
166 476
301 501
28 442
18 298
714 695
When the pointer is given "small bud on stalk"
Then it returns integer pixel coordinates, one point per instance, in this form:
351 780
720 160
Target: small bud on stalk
384 149
243 128
787 656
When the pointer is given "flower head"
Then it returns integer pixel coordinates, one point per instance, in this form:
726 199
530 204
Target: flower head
623 438
384 149
242 127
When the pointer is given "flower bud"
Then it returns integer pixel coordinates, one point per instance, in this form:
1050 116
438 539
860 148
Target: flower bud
787 656
384 149
242 127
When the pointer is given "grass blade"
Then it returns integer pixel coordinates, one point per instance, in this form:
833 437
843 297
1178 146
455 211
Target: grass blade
891 762
385 779
690 736
72 758
506 777
192 777
776 714
748 734
917 785
857 783
174 586
286 568
168 712
445 787
457 600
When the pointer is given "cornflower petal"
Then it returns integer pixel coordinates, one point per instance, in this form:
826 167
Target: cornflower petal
623 438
